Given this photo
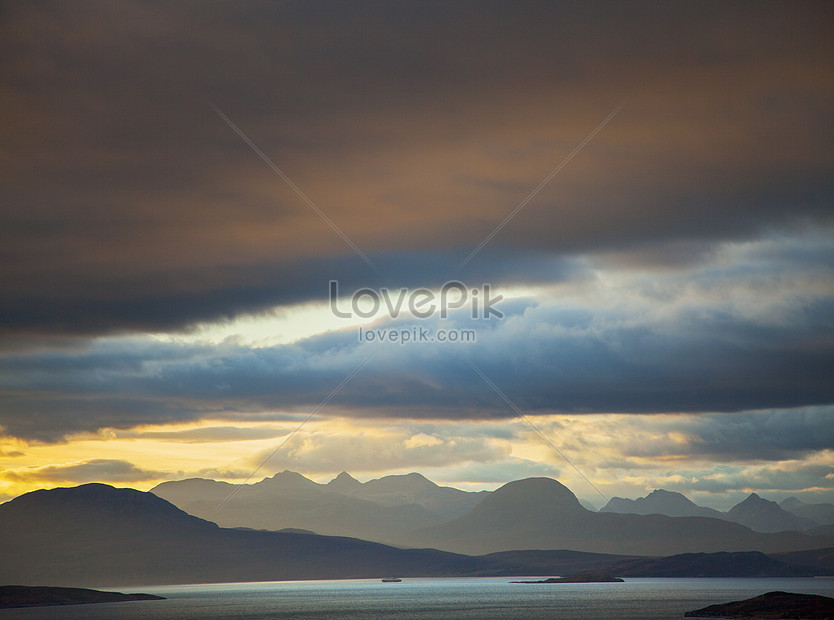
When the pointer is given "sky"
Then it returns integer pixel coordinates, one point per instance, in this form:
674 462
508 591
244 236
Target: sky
644 192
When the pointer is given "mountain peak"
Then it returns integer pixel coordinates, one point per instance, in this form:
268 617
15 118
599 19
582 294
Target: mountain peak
289 479
660 501
344 483
346 477
541 495
791 502
764 515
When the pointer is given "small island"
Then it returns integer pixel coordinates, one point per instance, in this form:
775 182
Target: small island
771 605
579 578
42 596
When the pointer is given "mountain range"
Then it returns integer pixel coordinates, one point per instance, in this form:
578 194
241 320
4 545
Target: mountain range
376 510
536 513
819 513
97 535
755 512
552 518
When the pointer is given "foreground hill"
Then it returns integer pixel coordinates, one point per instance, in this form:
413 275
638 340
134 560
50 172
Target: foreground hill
541 513
41 596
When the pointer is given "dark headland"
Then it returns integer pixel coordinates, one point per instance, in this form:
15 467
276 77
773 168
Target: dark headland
42 596
771 605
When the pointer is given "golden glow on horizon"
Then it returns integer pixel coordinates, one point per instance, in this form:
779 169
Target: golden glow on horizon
610 449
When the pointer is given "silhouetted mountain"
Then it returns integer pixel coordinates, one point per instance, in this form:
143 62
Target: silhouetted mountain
660 502
96 534
762 515
722 564
541 513
822 514
377 510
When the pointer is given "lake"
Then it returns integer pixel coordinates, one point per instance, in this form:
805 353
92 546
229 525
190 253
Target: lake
473 598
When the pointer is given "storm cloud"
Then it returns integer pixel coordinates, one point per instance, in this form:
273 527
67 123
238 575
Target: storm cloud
128 204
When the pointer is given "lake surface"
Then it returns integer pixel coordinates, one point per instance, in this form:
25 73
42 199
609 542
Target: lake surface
474 598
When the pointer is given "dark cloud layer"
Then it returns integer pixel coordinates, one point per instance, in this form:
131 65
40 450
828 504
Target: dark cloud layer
127 204
726 336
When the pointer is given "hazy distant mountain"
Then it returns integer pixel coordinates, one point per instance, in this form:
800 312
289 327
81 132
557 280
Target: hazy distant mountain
763 515
660 502
823 514
98 535
289 500
376 510
411 488
541 513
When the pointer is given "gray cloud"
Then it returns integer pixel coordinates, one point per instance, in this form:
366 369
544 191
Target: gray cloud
93 470
750 436
205 434
804 477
